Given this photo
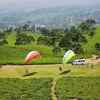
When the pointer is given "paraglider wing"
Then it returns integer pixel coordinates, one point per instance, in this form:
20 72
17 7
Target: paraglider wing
68 56
32 55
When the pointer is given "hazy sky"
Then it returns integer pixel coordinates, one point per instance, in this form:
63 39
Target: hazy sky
43 3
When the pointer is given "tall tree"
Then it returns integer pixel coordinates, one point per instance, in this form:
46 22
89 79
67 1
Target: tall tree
44 40
23 39
73 40
55 36
87 27
44 31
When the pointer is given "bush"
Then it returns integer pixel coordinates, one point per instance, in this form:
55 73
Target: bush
3 39
97 46
56 50
23 39
43 40
2 42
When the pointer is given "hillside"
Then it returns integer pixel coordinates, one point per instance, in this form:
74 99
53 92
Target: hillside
17 54
56 16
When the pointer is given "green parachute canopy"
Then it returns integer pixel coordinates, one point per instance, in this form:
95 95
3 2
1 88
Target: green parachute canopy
68 56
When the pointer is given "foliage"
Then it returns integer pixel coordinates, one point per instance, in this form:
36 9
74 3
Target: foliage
44 31
31 89
44 40
56 50
89 47
25 27
3 39
97 46
9 29
55 36
18 30
87 27
72 40
85 88
76 36
23 39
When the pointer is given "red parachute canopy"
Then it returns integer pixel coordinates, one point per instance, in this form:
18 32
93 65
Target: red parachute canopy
32 55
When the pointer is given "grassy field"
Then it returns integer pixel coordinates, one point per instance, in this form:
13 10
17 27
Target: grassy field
18 89
17 54
81 82
81 88
11 54
75 81
51 71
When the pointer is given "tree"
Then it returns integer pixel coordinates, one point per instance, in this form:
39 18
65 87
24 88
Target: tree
56 50
87 27
18 30
91 22
66 30
23 39
44 31
55 36
73 29
25 27
73 40
83 27
9 29
97 46
44 40
92 31
3 39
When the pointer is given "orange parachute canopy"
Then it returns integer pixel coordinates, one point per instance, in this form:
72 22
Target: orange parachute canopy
32 55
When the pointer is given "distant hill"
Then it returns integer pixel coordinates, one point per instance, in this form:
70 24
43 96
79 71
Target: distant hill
58 16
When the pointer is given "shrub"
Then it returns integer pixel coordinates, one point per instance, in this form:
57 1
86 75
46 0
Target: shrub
97 46
23 39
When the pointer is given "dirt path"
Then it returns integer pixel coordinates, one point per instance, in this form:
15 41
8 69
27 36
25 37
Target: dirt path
42 66
53 89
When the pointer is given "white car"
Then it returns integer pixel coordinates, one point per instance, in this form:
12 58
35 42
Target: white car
79 62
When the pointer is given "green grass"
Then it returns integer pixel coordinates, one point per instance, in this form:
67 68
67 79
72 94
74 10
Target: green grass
85 88
12 54
82 81
17 54
31 89
11 38
44 71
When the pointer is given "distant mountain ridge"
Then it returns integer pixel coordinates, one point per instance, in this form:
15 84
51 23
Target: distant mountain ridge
58 16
